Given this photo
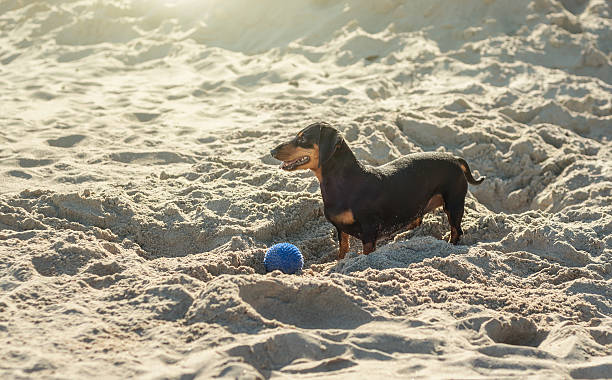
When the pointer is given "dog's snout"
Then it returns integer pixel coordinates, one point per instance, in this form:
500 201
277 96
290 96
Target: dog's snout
274 152
279 152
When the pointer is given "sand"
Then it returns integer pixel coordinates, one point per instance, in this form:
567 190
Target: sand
138 195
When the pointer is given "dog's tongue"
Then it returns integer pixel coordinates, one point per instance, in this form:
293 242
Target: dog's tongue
290 165
285 164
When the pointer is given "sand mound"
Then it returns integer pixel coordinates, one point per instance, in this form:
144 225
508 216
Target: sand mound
138 195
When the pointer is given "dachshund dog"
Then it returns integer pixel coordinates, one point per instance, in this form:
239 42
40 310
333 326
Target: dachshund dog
369 202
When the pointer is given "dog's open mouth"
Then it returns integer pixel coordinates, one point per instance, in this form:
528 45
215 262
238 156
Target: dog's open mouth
290 165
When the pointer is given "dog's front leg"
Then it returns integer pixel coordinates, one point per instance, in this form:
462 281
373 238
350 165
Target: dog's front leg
368 239
369 247
343 243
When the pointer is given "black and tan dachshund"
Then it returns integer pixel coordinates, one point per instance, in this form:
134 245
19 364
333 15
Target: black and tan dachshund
369 202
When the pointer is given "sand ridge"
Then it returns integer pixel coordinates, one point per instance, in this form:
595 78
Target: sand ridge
138 196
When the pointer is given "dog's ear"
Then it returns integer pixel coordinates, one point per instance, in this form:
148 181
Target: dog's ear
329 138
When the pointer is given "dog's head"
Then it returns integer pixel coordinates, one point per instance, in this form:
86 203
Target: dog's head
309 149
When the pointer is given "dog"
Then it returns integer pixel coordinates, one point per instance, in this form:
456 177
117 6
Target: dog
370 202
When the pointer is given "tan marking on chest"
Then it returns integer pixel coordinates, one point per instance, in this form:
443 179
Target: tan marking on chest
318 174
345 217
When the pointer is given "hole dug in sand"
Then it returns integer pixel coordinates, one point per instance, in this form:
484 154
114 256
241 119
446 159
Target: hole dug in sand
516 331
310 306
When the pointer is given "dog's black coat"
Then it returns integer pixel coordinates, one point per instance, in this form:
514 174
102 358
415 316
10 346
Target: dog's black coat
375 201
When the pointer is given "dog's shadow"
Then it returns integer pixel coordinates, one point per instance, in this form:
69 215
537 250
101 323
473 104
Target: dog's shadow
399 254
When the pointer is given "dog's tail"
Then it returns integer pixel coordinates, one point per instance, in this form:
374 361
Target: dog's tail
468 174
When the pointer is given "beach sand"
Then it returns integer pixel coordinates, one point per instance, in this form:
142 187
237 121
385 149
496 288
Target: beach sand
138 196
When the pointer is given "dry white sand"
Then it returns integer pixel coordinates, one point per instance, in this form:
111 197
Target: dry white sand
138 196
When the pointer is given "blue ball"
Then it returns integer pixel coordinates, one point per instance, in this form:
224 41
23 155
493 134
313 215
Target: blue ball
284 256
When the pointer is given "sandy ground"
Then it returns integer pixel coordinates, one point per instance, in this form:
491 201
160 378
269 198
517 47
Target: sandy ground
138 196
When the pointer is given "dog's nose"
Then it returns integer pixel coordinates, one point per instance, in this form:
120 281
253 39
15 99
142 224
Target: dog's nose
274 152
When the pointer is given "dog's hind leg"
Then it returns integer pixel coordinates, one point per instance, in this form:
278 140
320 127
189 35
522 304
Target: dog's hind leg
454 219
454 208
